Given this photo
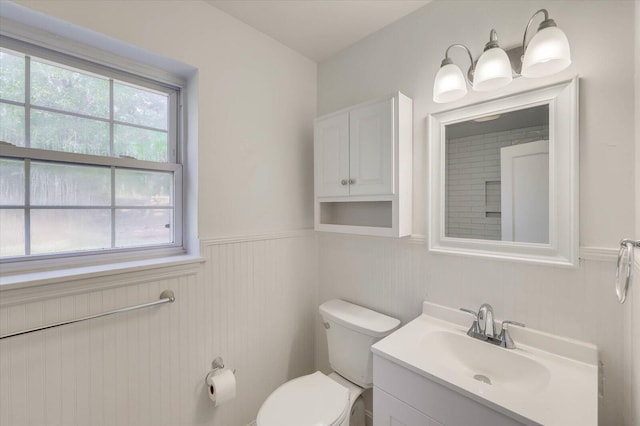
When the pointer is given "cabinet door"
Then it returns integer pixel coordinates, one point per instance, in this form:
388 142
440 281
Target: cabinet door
390 411
371 149
331 156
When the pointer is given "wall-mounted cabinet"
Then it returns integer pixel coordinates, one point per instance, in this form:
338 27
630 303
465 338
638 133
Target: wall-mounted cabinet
363 168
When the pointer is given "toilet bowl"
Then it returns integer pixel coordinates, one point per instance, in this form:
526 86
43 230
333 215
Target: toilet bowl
316 399
335 399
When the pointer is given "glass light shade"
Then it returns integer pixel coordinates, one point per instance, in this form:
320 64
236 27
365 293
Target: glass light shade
449 84
493 70
547 53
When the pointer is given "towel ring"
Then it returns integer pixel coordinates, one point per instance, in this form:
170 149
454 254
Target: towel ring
621 290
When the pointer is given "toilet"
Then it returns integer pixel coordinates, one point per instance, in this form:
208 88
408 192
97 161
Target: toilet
335 399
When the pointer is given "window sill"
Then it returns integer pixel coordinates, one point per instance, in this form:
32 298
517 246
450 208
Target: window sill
40 278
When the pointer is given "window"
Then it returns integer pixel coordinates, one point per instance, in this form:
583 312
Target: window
89 158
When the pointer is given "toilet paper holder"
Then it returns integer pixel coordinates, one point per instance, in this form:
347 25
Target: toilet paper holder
216 365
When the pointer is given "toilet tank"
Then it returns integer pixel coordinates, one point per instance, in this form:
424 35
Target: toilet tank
351 330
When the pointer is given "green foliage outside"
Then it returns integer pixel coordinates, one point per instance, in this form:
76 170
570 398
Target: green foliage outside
137 106
12 124
11 77
67 90
61 132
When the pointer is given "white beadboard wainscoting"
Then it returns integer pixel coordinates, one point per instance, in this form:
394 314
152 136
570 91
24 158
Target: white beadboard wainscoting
252 301
395 276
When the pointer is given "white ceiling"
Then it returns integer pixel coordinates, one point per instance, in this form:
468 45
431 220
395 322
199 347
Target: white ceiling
318 28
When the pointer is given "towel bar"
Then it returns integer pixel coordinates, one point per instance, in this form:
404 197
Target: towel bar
166 296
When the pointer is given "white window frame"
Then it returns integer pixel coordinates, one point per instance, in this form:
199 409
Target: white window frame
122 70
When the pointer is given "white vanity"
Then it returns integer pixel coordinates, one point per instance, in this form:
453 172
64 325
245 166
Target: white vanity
430 372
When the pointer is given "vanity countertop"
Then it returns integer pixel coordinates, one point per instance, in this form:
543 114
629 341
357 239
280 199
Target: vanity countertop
546 379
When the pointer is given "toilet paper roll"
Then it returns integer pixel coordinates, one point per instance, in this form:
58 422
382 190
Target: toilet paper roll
222 386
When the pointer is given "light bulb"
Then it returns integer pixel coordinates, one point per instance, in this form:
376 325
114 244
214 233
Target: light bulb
493 70
449 84
547 53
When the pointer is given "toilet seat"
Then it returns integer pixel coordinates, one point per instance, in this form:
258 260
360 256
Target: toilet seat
312 400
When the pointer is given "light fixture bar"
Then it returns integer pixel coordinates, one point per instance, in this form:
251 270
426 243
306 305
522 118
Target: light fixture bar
549 23
472 67
449 84
547 53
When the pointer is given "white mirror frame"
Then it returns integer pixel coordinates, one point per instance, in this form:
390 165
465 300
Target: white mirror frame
562 249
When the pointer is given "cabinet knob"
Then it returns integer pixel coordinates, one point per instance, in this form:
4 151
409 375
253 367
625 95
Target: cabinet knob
344 182
352 181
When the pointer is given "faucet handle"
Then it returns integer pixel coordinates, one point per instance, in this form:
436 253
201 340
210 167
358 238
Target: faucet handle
505 338
469 311
506 323
473 331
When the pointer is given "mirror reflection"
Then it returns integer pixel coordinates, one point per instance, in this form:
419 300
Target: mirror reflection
497 177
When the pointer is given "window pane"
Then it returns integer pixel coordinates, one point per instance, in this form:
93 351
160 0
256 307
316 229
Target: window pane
142 188
140 227
62 202
12 124
11 232
67 90
11 182
66 185
140 144
11 77
139 106
61 132
62 230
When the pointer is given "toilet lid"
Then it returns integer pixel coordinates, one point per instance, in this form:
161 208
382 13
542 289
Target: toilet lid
313 400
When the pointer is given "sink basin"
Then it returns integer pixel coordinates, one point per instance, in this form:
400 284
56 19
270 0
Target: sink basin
545 380
486 363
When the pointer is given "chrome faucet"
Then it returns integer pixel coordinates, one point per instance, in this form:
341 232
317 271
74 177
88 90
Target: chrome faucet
483 327
486 325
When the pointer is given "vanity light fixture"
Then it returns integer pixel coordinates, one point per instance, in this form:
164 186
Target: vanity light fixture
493 69
547 53
450 84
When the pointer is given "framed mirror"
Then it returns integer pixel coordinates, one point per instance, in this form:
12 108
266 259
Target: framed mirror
504 177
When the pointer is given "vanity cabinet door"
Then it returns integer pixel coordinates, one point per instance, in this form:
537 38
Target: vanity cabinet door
371 149
331 151
429 398
390 411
